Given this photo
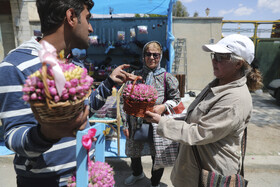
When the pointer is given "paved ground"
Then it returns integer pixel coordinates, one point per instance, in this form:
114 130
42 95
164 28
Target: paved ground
262 162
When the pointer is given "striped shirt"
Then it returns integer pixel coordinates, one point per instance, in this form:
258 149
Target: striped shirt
35 157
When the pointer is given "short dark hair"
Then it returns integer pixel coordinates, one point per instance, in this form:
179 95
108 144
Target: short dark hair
52 12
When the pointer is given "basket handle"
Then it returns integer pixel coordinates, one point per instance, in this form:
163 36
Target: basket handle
46 87
134 82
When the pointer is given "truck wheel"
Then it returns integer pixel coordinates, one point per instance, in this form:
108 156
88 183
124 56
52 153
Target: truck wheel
277 96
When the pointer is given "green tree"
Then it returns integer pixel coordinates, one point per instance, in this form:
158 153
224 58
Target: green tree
156 15
137 15
179 10
195 14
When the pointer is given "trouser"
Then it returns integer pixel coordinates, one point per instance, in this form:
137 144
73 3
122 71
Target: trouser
136 166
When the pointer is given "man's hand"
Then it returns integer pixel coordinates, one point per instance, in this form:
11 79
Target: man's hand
152 117
126 133
57 131
119 76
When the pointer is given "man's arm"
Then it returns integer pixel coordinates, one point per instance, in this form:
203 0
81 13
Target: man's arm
20 126
23 134
104 90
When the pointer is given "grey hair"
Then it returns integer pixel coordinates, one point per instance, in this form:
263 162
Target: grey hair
245 69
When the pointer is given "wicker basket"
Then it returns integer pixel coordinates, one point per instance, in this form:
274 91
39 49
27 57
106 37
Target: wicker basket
51 112
137 108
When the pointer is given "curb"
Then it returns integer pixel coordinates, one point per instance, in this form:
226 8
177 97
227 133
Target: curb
262 162
6 159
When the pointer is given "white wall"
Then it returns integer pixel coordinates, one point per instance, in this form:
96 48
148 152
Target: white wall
198 31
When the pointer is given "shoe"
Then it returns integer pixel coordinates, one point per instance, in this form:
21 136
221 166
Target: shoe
132 179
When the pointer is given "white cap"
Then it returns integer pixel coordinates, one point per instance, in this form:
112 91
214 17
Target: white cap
238 44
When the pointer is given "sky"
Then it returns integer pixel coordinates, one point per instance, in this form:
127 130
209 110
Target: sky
256 10
268 10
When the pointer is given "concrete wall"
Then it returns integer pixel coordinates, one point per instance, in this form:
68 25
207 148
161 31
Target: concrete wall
20 19
8 42
33 17
32 12
17 24
197 32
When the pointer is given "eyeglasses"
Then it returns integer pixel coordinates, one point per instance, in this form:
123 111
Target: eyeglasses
155 55
220 56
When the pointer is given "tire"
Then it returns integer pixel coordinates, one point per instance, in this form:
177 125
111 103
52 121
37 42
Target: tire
277 96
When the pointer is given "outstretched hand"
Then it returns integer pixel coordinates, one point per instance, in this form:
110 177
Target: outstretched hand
152 117
119 76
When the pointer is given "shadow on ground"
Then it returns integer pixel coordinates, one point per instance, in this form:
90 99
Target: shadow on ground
264 127
122 171
265 111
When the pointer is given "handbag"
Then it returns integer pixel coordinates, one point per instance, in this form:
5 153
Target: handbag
214 179
176 112
179 109
177 116
144 133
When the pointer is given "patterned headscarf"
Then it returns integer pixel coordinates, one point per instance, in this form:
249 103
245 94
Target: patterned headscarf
151 72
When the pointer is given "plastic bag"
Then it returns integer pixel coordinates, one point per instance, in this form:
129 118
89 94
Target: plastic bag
178 112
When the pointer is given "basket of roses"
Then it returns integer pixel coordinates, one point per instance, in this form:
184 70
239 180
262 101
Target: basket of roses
139 98
56 92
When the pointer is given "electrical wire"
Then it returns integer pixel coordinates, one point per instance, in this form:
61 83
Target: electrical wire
156 7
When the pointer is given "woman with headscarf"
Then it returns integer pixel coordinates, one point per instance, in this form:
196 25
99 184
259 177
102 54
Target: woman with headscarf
152 74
